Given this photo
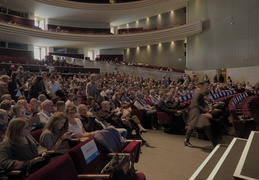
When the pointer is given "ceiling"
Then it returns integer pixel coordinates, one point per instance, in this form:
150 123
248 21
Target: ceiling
108 13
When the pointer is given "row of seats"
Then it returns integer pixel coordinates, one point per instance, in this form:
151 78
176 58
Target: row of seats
132 147
135 30
17 59
155 67
240 107
218 95
74 166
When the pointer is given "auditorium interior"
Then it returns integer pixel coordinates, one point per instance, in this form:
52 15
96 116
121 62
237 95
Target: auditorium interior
169 47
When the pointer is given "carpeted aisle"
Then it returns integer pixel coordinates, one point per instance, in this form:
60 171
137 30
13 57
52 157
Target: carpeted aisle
168 159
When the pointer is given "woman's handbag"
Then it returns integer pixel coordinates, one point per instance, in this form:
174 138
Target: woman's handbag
120 168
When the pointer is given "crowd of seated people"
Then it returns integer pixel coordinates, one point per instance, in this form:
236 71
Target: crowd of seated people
144 65
79 106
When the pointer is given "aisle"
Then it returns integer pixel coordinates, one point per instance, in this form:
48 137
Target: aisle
168 159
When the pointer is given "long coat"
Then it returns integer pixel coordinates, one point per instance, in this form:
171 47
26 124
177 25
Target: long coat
197 108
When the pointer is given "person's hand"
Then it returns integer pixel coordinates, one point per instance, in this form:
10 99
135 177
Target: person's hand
35 118
179 112
208 115
34 159
89 113
66 135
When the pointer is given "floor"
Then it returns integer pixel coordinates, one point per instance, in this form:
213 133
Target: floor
166 158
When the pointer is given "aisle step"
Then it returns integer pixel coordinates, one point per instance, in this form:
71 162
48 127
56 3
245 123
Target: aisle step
209 163
227 164
248 164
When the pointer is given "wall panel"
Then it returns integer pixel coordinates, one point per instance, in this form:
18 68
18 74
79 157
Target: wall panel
164 54
230 37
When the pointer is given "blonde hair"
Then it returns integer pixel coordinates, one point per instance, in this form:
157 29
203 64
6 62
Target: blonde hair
52 124
34 104
14 130
70 107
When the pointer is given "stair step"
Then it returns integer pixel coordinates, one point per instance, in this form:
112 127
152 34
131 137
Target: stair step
227 164
209 163
247 167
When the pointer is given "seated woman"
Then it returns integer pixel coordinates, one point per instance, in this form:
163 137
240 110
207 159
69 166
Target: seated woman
75 124
3 123
56 132
34 106
19 148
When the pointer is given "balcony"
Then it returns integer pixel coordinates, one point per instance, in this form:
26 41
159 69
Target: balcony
22 34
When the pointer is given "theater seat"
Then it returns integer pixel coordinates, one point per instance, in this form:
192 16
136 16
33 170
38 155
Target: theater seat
61 168
93 168
140 113
36 134
111 141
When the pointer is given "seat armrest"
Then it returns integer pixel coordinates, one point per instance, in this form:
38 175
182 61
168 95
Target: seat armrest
94 176
112 154
15 173
130 140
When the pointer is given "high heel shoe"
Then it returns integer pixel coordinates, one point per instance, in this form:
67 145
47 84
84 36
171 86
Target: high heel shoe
143 131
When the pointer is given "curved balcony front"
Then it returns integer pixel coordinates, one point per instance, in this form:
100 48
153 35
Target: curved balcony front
105 7
19 33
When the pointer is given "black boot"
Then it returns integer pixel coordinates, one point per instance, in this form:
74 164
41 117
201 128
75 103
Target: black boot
208 132
187 138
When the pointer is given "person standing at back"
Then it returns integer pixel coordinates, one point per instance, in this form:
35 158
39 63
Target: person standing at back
91 86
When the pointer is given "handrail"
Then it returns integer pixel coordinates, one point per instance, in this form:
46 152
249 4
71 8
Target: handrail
162 35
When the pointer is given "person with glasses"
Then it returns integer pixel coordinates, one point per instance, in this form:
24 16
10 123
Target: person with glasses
19 148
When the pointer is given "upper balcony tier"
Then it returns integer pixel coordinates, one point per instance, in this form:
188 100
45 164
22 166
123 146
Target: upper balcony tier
104 1
113 14
21 34
106 7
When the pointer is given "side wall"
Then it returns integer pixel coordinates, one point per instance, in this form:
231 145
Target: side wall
164 54
230 37
163 20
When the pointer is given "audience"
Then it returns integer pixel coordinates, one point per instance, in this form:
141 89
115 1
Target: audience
90 105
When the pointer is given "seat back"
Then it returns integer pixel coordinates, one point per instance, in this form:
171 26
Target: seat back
81 166
110 140
36 134
164 118
61 168
140 113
